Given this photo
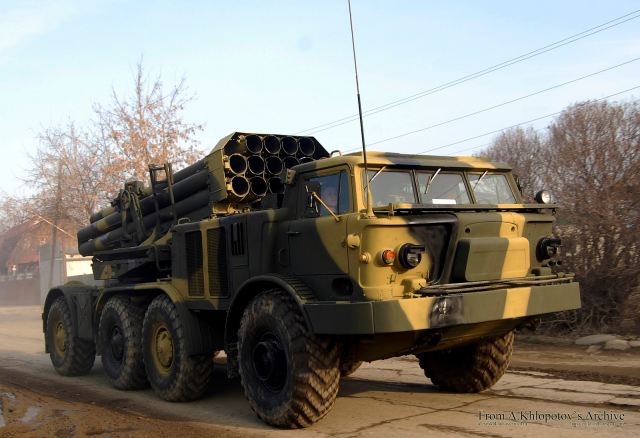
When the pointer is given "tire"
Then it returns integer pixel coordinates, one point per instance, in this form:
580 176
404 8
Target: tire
348 368
120 335
70 355
290 377
173 374
472 368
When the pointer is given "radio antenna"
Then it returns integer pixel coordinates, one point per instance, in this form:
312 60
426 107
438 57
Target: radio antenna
367 189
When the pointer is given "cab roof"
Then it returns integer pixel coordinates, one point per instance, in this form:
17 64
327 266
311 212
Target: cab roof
377 159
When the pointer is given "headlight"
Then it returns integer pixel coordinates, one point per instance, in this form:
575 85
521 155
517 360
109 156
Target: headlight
543 197
548 248
410 255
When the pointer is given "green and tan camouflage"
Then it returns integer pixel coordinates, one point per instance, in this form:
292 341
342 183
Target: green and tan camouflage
447 257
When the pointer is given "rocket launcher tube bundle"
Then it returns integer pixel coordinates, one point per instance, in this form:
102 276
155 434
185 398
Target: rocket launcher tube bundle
230 178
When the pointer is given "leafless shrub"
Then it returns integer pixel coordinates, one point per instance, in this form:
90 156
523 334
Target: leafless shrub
590 157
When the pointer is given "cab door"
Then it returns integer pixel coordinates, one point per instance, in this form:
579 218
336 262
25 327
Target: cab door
316 239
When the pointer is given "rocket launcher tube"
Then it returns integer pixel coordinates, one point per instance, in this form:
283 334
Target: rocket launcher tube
181 191
273 165
272 145
238 187
255 165
275 185
258 187
236 164
289 162
95 217
289 146
183 208
306 147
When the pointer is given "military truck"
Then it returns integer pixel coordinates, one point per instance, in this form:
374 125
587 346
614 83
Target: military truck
301 265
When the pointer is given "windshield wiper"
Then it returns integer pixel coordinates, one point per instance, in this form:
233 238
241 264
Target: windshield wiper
431 178
480 179
377 173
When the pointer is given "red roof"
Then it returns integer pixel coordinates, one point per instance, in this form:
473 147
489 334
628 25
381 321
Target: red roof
20 245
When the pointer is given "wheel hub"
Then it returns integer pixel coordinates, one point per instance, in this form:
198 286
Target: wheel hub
270 362
164 347
117 343
60 338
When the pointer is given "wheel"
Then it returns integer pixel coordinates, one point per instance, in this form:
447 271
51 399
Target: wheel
348 368
70 355
290 377
120 335
173 374
472 368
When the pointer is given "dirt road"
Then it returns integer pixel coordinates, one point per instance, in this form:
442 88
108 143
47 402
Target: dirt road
539 396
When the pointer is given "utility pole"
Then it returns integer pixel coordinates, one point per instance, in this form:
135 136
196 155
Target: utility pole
54 225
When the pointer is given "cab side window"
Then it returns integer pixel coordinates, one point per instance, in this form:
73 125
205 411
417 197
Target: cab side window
334 191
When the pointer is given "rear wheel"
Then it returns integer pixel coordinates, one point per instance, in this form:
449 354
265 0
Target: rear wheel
120 334
290 376
471 368
173 374
70 355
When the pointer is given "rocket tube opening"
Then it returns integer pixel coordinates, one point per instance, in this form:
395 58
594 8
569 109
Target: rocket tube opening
239 186
272 145
305 160
289 146
255 165
289 162
258 186
253 143
237 163
276 185
273 165
307 148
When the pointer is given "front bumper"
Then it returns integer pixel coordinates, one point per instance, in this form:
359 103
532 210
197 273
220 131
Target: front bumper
446 309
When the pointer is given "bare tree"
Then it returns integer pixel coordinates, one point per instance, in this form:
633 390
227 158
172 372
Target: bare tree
590 158
147 127
78 171
594 167
13 211
524 151
66 176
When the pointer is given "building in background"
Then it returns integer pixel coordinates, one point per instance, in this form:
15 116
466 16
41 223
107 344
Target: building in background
26 270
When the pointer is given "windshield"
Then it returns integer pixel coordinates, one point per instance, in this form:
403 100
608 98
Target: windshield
391 187
442 188
491 189
438 187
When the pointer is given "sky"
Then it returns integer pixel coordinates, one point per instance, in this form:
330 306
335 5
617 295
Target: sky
287 66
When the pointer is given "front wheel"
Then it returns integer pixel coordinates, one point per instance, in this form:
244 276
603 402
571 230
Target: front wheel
472 368
290 376
70 355
172 372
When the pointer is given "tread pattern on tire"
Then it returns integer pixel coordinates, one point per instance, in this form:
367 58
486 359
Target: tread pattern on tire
192 374
132 374
81 353
472 368
314 364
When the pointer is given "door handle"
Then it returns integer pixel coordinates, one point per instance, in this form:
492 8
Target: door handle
293 233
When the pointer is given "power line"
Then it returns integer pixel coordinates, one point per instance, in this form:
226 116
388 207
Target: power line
560 43
535 93
473 148
519 124
455 119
